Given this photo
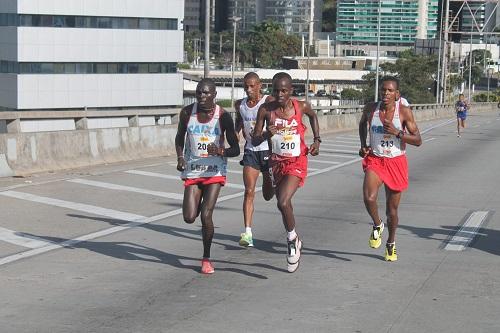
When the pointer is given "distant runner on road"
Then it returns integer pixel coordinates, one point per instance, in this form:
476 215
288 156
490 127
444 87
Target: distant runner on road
202 159
391 126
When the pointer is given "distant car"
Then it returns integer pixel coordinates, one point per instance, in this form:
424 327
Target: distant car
310 93
321 93
335 95
299 92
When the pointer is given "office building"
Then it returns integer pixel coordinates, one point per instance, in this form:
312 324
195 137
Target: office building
76 54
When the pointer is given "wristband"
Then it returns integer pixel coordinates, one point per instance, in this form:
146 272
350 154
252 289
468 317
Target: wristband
179 157
400 134
317 138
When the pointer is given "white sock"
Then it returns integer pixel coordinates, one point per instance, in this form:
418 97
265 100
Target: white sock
248 230
291 235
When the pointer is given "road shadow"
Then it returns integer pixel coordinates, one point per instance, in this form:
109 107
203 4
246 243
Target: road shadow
133 251
230 242
486 239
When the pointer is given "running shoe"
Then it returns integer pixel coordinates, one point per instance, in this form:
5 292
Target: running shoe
376 236
206 266
293 255
246 240
390 252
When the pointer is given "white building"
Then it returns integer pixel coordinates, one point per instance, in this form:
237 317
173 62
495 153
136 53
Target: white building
62 54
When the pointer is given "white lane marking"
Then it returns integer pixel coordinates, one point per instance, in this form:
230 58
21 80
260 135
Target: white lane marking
21 239
449 121
354 142
312 169
429 139
240 172
353 152
324 162
116 187
334 167
474 126
134 223
467 232
338 145
95 210
349 156
161 175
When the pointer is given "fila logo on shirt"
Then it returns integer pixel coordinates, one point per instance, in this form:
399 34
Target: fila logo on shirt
285 122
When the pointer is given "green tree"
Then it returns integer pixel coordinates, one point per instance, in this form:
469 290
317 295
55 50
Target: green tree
416 77
351 94
270 43
329 18
483 97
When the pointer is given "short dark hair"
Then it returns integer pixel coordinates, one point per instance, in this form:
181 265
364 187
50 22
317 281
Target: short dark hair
251 75
281 76
207 81
392 79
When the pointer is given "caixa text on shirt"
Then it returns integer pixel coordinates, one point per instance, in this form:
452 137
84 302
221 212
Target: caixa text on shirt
204 168
204 129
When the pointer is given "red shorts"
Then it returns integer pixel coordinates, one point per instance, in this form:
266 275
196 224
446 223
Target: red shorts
294 166
392 171
205 181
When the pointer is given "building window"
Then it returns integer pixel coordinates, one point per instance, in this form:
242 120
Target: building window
13 67
91 22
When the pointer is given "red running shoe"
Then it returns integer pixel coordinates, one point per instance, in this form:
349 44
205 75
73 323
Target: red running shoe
206 266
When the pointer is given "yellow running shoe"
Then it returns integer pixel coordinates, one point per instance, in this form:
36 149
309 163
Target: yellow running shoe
376 236
390 252
246 240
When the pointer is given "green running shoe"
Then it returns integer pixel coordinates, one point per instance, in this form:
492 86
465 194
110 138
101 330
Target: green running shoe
246 240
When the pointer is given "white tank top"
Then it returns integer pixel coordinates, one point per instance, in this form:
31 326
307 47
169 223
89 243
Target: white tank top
383 144
249 116
199 135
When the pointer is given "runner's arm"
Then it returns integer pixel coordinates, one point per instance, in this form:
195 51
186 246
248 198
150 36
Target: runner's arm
412 136
257 136
181 136
228 128
313 121
238 122
363 131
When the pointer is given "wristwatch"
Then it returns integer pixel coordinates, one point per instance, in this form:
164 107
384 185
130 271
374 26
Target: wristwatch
317 138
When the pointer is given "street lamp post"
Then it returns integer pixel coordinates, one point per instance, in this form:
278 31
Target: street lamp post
206 68
378 49
235 20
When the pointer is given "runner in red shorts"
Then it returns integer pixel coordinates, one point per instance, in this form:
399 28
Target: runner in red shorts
202 159
288 152
391 126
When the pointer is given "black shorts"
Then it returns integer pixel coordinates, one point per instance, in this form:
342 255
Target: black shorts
258 160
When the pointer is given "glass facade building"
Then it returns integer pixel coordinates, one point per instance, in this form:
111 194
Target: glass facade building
402 21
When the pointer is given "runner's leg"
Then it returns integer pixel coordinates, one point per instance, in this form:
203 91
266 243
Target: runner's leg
284 193
267 186
393 198
191 203
250 176
371 185
210 195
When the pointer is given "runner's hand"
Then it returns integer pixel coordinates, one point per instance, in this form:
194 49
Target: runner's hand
181 164
314 148
272 129
389 127
364 151
213 150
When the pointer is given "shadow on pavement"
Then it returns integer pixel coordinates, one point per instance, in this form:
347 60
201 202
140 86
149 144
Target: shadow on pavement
486 239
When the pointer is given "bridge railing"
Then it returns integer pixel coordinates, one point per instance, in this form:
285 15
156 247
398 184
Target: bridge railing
43 121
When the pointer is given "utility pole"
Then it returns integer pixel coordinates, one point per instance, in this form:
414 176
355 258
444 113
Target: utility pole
207 39
235 21
378 49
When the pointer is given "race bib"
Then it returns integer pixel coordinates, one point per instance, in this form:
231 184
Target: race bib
287 145
199 146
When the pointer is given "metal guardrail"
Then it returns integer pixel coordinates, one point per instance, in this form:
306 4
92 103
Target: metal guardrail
80 117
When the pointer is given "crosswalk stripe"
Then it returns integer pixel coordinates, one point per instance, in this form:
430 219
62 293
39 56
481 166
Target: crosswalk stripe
467 232
161 175
94 210
111 186
21 239
338 145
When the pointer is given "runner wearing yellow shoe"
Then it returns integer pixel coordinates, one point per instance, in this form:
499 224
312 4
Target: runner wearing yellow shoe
391 126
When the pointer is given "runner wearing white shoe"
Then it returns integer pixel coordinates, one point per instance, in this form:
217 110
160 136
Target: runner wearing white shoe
283 117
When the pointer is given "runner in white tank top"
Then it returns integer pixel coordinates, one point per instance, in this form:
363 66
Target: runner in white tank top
255 158
391 126
202 159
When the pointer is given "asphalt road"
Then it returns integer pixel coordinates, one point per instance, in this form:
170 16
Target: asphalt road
105 249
